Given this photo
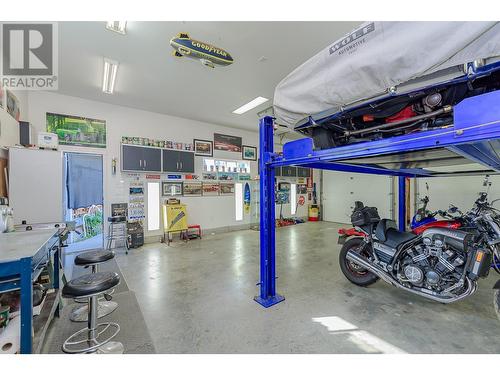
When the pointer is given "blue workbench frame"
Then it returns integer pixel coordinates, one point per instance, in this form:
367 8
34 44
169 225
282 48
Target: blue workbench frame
20 274
475 135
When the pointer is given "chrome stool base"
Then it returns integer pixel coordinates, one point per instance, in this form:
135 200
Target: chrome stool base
81 313
87 340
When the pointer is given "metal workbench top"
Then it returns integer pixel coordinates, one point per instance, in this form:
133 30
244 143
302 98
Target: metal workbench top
25 244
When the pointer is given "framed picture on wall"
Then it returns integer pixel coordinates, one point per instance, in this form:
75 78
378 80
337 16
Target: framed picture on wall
77 131
171 189
224 142
203 147
192 189
13 106
249 153
226 188
211 188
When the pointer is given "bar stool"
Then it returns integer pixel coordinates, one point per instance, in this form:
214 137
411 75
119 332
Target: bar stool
95 338
104 305
117 230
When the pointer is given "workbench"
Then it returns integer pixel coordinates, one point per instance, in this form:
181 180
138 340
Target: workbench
23 257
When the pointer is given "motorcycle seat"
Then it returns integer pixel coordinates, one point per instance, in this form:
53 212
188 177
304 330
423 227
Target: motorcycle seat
387 232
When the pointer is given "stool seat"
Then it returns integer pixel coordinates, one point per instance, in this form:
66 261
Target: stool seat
117 219
93 257
90 284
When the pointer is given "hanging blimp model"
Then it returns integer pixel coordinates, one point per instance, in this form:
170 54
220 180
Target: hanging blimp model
208 54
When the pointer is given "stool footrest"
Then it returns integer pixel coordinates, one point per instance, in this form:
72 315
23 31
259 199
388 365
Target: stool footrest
73 345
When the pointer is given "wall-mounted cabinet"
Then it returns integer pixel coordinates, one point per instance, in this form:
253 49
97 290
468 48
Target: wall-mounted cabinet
178 161
303 172
141 159
289 171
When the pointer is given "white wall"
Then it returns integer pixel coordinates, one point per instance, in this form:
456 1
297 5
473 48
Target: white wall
209 212
460 191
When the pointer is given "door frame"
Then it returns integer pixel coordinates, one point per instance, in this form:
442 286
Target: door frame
65 193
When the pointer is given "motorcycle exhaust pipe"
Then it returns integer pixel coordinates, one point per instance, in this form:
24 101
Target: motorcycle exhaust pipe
358 259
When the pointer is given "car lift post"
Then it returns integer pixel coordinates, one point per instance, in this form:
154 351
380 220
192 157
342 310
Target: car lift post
268 295
402 203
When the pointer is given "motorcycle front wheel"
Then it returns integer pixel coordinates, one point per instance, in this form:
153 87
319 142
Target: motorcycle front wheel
352 271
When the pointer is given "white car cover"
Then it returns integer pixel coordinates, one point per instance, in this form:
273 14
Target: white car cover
378 56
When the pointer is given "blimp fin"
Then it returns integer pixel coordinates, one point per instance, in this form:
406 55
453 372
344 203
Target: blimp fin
183 36
177 54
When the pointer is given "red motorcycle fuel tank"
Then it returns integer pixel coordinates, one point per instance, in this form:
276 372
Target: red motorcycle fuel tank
451 224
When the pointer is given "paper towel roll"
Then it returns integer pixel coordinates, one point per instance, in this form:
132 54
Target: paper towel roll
10 338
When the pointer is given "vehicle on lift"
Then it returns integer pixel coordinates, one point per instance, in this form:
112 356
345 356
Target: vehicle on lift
440 264
385 79
424 109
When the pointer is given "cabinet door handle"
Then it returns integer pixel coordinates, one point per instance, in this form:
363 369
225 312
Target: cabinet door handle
140 163
177 165
144 163
181 164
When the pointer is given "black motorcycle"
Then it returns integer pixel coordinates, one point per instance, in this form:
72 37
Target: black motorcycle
440 264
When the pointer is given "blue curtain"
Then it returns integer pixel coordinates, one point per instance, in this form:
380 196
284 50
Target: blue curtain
84 180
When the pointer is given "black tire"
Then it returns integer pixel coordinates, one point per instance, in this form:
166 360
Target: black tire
496 302
353 272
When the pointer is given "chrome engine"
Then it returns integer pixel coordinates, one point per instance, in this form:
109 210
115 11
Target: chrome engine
437 263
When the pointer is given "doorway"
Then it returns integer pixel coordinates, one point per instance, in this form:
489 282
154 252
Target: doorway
84 200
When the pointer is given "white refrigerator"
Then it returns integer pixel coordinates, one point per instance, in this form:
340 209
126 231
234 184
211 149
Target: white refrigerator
36 185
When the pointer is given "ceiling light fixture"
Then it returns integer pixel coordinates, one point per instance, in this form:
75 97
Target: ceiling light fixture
119 27
250 105
109 77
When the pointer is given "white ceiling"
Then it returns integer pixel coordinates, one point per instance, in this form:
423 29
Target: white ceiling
150 78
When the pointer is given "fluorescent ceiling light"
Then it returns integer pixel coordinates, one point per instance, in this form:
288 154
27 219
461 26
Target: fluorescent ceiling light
109 76
250 105
119 27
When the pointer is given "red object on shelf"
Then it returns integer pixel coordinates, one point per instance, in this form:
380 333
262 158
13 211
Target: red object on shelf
405 113
311 218
197 227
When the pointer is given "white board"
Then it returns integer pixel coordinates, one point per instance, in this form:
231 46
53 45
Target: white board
36 185
342 189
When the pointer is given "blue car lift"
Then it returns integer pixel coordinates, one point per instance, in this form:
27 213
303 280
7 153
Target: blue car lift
473 137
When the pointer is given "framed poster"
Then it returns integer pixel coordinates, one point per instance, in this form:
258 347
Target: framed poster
224 142
249 153
77 131
226 188
171 189
13 105
192 189
203 148
210 189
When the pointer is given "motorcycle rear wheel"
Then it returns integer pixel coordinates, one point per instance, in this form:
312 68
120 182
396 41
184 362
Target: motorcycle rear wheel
353 272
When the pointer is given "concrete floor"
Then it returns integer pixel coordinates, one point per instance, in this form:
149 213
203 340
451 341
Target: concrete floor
198 298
